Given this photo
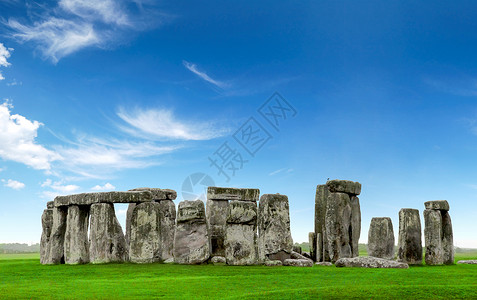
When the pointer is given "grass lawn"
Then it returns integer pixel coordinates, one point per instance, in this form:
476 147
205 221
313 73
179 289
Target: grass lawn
22 276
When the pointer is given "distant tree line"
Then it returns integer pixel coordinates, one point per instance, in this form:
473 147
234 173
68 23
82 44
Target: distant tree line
19 248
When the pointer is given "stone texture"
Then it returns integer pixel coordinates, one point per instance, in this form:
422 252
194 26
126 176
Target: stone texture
273 263
433 237
47 225
437 205
410 242
76 235
296 255
370 262
50 204
381 238
344 186
468 262
323 263
225 193
216 213
297 249
218 260
158 194
447 239
355 225
104 197
321 198
274 226
312 242
129 214
57 237
145 239
106 239
241 233
298 262
338 224
320 253
191 239
167 213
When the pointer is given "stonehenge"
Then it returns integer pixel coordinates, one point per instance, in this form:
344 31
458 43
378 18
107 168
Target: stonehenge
381 238
409 242
337 220
438 233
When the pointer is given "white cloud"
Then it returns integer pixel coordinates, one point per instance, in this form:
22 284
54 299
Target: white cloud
16 185
193 68
162 124
5 53
58 186
107 187
286 170
17 141
107 11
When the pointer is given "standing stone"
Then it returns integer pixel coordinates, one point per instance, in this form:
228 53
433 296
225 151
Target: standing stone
57 237
438 233
321 198
76 235
47 224
312 241
129 214
338 224
319 247
191 239
410 242
355 224
275 241
381 238
106 242
217 220
145 239
240 236
167 210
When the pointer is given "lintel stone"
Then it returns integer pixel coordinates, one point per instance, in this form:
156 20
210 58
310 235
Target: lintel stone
158 194
437 205
104 197
225 193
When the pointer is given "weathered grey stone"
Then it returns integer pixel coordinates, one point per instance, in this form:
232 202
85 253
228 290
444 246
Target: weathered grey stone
344 186
76 235
158 194
216 212
50 204
297 249
307 255
468 262
242 212
338 224
355 225
191 239
433 237
273 263
321 198
167 210
145 239
225 193
169 260
280 255
57 236
410 242
319 247
296 255
381 238
447 239
218 260
274 226
312 242
104 197
437 205
370 262
298 262
323 263
129 214
46 224
106 238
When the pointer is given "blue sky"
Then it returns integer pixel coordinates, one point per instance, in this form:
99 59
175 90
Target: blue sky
114 95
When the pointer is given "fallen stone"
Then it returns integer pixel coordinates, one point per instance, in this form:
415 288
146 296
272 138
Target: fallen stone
410 242
57 236
273 263
216 213
242 212
191 239
344 186
437 205
106 239
307 255
224 193
468 262
274 226
167 215
338 222
296 255
104 197
169 260
218 260
324 263
381 238
47 225
158 194
298 262
76 235
145 240
433 237
370 262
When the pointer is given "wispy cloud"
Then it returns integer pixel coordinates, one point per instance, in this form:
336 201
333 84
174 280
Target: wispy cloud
162 124
463 86
76 24
16 185
106 187
17 140
5 53
283 170
59 186
193 68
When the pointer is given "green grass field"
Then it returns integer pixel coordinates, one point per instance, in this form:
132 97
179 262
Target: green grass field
22 276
